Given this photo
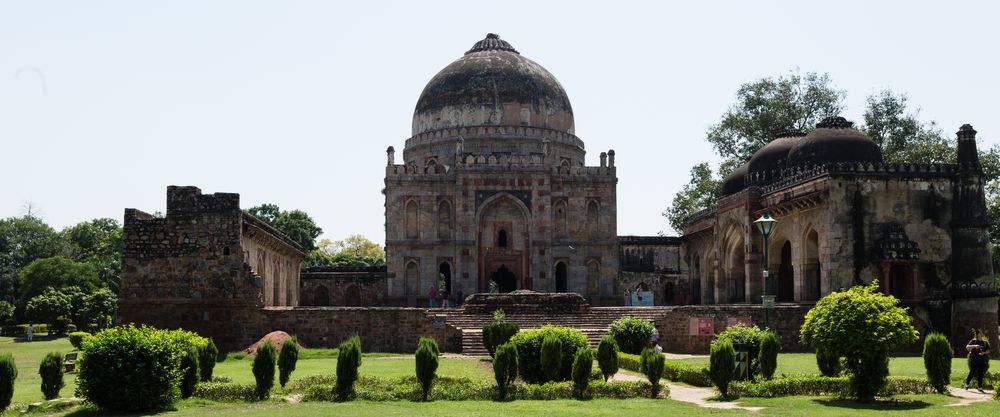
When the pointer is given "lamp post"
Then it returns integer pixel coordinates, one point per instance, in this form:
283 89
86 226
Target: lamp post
765 225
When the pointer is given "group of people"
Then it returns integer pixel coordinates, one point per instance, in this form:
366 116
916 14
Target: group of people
436 297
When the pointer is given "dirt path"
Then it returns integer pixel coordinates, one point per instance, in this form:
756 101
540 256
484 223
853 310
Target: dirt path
694 395
968 396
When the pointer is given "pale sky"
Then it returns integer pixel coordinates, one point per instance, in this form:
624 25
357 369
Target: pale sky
104 104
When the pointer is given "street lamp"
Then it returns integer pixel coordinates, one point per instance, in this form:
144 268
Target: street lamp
765 225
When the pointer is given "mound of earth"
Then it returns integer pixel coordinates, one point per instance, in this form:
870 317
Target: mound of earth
277 338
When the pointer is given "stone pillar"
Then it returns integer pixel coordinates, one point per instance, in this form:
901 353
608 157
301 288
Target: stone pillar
390 156
611 158
604 159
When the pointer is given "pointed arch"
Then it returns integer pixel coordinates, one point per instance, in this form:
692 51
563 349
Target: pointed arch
593 277
561 277
412 220
561 224
445 220
411 278
593 218
811 277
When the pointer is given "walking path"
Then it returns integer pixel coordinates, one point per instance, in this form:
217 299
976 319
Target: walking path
694 395
968 396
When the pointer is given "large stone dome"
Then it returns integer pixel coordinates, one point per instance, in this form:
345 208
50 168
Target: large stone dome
493 85
834 140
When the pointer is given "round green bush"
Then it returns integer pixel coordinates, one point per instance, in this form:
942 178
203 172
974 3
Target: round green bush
770 345
498 333
263 369
937 361
348 362
632 334
287 359
582 365
130 368
505 367
828 363
76 338
841 323
427 364
529 351
207 356
651 365
551 357
51 371
722 365
607 356
8 373
190 369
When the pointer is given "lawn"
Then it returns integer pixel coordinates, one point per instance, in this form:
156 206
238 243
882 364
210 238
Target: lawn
805 364
323 362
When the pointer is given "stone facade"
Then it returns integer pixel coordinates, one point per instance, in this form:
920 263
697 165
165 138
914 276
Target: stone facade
842 223
346 287
653 263
493 187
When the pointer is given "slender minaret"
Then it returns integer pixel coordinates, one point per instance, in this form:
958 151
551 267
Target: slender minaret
973 292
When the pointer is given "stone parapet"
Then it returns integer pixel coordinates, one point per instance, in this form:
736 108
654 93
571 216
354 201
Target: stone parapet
526 302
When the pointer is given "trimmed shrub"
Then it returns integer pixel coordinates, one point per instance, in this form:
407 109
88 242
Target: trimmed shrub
672 370
207 356
828 363
607 357
529 351
76 338
937 361
427 364
749 336
51 370
632 334
770 345
287 358
582 365
263 370
225 391
652 367
348 362
190 368
130 368
842 323
551 357
814 386
505 367
498 332
8 373
722 362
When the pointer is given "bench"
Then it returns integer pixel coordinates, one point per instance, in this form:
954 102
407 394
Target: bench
70 361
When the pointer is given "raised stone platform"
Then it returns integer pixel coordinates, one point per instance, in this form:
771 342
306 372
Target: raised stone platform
526 302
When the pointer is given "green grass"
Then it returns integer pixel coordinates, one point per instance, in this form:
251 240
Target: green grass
27 356
805 364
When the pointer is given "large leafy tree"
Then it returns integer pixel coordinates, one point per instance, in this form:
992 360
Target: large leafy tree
295 224
766 107
23 240
57 273
99 243
699 193
354 250
50 307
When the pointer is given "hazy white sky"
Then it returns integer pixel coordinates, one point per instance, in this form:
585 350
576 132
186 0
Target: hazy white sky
104 104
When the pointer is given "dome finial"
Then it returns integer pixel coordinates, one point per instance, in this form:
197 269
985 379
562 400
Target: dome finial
492 43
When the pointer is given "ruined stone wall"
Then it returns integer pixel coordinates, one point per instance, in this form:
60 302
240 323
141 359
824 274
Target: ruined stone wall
690 329
345 287
273 257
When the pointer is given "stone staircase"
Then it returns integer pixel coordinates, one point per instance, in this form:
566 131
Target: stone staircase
593 323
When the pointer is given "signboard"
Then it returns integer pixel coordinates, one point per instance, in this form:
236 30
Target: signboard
768 301
701 326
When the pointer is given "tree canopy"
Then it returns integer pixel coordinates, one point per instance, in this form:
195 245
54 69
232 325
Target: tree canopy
295 224
353 251
57 273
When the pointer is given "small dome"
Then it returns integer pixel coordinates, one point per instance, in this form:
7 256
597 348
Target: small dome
493 84
736 181
774 155
834 140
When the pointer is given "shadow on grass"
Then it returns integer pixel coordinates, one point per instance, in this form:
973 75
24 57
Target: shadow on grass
91 411
37 338
889 404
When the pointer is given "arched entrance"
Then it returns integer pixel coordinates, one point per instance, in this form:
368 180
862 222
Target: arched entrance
786 276
811 281
561 277
505 279
444 273
321 296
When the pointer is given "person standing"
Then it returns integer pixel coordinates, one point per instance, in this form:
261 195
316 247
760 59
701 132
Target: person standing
979 358
432 296
628 297
444 299
31 331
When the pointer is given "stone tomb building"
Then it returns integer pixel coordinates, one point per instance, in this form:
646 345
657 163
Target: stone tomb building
493 187
845 217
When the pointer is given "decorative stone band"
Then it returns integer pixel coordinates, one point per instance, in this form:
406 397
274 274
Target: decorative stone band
964 289
492 132
492 163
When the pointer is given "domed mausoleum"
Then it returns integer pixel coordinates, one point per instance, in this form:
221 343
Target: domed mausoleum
493 184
